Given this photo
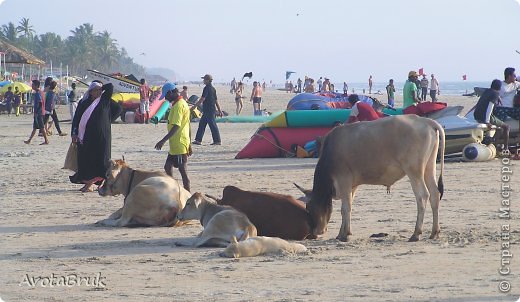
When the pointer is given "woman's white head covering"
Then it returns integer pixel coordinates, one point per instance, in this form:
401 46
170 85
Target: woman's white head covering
90 87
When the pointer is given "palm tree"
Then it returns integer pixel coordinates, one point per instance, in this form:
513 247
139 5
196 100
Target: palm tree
9 32
106 51
83 38
27 32
49 46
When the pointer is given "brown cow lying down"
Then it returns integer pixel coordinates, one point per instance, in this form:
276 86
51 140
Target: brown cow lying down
152 198
220 223
274 215
261 245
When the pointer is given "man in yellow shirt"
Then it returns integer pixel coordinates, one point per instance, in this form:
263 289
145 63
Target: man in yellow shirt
178 134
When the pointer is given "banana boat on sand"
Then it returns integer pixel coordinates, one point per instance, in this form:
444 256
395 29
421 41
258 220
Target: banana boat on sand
121 83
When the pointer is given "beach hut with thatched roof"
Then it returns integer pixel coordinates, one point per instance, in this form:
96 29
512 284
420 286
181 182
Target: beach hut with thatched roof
12 55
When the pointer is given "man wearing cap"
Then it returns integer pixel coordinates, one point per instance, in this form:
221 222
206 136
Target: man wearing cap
210 107
410 96
178 135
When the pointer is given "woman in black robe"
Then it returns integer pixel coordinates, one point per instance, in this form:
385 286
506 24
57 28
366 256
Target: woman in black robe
91 130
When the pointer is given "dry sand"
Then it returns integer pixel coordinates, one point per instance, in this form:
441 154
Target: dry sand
47 228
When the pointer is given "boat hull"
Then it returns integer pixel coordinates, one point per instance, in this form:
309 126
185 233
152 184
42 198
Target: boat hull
120 84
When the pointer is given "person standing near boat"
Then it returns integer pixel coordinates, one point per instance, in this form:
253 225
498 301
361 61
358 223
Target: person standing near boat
410 96
370 83
361 111
390 92
424 87
509 87
144 95
434 88
210 107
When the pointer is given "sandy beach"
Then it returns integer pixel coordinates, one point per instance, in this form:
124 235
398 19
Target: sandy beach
47 230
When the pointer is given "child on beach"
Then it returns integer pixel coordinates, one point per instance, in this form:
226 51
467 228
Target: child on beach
38 113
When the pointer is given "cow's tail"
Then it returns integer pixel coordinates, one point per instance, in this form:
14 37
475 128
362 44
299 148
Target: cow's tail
442 146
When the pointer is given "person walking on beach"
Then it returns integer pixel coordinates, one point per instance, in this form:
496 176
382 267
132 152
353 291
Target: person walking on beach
178 135
424 87
210 107
9 98
345 88
38 111
233 86
238 97
17 101
184 93
410 96
434 88
390 92
299 85
144 95
370 82
256 98
50 109
320 83
73 102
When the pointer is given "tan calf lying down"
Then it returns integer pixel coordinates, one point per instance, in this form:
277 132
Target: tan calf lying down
261 245
220 223
152 198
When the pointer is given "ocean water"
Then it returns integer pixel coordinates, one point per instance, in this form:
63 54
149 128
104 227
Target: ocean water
446 88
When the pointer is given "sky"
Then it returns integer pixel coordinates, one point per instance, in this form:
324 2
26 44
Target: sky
345 40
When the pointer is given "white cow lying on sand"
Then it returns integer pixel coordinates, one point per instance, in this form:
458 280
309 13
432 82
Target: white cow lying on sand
152 198
261 245
220 223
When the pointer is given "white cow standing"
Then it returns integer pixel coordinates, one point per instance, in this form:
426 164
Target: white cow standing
379 152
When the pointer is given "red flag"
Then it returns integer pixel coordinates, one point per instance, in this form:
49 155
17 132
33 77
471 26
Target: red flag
421 71
464 78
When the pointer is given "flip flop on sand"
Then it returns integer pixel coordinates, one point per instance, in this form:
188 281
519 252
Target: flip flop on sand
44 143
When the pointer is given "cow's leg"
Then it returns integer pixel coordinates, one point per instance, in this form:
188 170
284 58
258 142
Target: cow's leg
346 195
421 196
435 196
116 214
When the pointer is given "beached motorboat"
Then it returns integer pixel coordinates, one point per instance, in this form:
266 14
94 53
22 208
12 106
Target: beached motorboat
514 128
121 83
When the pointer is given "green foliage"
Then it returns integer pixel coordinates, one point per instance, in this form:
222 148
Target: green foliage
83 49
